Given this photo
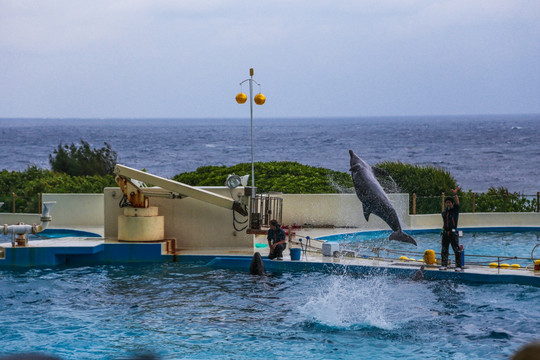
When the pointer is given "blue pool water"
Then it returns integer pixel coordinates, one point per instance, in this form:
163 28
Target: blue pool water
53 234
60 233
492 243
188 311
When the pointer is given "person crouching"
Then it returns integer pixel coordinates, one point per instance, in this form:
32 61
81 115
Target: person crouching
276 241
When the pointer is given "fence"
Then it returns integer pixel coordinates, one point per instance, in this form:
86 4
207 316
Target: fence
474 202
14 203
264 209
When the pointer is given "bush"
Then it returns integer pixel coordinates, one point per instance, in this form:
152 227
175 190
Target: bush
500 200
427 182
285 176
27 184
82 160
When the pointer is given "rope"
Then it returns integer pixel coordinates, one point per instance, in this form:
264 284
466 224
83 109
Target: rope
532 252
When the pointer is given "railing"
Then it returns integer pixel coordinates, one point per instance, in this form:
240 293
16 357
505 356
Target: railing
475 202
14 203
265 208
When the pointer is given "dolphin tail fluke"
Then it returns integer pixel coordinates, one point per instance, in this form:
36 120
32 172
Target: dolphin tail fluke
401 236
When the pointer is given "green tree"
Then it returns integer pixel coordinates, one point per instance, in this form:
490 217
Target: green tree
83 160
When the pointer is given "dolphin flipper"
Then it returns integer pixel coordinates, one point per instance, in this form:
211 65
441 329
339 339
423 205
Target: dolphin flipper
401 236
366 214
369 209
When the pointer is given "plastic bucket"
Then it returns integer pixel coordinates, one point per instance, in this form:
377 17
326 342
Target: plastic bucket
295 253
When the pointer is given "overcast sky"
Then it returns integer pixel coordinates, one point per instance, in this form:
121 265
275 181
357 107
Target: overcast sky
186 58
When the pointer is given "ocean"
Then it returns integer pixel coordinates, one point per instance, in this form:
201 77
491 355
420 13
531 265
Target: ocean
479 151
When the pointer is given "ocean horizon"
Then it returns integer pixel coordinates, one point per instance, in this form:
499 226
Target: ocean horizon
480 151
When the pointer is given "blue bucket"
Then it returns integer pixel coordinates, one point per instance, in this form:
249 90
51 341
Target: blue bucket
295 253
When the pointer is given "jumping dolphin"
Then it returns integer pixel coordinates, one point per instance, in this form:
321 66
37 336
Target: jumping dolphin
374 199
257 266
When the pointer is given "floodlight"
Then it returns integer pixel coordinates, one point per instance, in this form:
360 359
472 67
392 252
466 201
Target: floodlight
233 181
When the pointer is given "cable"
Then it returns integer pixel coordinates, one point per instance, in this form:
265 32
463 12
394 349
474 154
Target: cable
124 202
240 222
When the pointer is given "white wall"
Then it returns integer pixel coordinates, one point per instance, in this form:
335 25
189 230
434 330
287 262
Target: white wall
345 210
340 210
70 211
12 219
194 224
73 210
199 225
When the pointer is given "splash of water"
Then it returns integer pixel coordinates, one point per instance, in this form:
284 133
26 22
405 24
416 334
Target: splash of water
347 302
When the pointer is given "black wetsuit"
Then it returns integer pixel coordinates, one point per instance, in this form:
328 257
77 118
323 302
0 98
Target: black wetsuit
450 235
275 237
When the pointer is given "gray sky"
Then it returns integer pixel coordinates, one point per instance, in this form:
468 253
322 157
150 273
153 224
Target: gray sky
186 58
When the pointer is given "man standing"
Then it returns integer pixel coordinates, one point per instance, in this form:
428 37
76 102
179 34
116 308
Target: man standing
276 241
450 235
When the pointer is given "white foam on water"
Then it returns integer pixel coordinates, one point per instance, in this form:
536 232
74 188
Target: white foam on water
346 302
382 302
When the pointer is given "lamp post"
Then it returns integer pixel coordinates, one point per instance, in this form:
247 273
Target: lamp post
259 99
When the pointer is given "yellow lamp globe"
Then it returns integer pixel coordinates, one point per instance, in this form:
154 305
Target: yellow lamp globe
241 98
260 99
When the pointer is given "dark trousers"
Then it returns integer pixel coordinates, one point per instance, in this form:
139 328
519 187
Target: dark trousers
278 251
450 238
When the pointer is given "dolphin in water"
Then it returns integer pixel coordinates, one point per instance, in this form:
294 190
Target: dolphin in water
257 265
419 275
374 199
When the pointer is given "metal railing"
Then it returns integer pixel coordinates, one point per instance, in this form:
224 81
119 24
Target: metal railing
265 207
14 203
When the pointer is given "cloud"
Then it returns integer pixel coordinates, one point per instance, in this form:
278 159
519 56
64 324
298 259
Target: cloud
144 57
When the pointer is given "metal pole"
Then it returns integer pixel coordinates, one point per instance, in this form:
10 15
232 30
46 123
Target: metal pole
251 72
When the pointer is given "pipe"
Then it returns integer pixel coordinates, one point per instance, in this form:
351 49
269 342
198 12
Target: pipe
31 229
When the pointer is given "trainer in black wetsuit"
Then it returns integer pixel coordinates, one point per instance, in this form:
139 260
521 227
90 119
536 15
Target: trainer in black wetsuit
450 236
276 241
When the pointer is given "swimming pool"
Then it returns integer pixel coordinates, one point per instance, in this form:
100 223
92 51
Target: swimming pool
482 241
54 234
188 311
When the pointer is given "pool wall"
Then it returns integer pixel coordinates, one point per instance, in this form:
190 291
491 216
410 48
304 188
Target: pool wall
242 264
99 253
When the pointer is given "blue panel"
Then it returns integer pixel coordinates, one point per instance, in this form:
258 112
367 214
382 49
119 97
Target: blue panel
134 252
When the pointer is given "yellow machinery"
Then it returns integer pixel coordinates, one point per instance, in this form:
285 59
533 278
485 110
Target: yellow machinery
140 222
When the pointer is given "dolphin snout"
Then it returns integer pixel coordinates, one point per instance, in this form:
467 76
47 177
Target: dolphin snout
355 160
